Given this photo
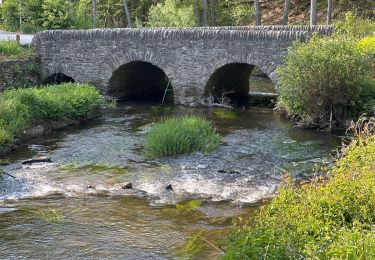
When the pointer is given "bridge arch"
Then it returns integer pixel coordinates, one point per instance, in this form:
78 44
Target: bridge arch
58 78
232 79
140 80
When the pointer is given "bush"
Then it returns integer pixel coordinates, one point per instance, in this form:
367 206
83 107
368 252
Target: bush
21 108
355 27
324 78
181 135
329 218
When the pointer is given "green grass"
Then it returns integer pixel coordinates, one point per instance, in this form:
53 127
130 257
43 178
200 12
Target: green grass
332 217
23 108
180 136
13 49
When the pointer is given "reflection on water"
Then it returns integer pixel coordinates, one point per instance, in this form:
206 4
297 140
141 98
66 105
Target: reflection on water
98 218
261 84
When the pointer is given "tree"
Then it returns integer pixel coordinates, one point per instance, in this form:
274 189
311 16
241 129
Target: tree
286 12
329 12
314 12
258 18
93 13
127 13
213 12
172 13
205 23
58 14
197 11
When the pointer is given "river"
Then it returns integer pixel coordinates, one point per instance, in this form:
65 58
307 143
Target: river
76 207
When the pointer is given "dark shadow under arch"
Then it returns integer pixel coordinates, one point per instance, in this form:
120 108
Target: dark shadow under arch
231 80
139 80
58 78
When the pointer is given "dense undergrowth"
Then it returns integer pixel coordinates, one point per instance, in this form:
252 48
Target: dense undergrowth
13 49
23 108
332 217
328 80
181 135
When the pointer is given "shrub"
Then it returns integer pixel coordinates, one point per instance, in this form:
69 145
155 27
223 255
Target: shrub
20 108
181 135
355 27
324 78
328 218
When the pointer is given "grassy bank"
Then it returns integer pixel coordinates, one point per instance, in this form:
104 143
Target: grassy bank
11 49
23 108
181 135
332 217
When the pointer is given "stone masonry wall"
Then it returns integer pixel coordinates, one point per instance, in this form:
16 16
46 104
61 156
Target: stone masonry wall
19 72
188 56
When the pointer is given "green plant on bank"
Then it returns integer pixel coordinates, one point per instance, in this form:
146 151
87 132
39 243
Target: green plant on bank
181 135
13 49
22 108
355 27
331 217
325 81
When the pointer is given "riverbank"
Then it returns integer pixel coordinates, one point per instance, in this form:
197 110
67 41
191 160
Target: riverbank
26 113
330 217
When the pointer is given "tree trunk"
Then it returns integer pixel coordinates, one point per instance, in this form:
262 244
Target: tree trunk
329 12
258 18
127 13
286 12
94 14
197 11
314 12
205 23
213 14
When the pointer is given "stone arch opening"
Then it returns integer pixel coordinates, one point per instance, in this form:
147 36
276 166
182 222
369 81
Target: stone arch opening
230 81
260 82
58 78
140 81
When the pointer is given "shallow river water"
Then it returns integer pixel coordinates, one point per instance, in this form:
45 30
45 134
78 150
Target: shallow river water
75 207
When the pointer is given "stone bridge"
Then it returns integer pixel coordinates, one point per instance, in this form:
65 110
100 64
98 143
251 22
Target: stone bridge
190 62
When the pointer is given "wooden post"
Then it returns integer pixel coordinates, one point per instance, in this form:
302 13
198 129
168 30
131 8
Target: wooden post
18 38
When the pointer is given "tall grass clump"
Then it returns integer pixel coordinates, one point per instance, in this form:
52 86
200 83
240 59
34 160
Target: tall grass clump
330 79
23 108
332 217
181 135
13 49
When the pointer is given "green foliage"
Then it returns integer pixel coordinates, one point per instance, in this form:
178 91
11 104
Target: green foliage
328 218
169 14
181 135
20 108
235 12
367 45
10 48
58 14
323 76
10 17
357 28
